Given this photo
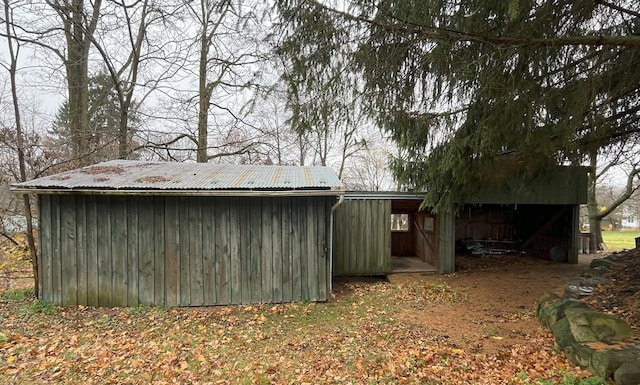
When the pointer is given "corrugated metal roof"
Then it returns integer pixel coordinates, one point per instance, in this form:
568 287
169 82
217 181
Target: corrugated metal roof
128 175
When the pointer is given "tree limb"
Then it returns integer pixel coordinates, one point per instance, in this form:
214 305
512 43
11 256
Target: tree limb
629 190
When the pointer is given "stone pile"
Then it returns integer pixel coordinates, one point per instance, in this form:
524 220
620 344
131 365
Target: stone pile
599 342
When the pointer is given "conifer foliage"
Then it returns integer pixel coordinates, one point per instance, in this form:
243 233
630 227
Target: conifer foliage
477 91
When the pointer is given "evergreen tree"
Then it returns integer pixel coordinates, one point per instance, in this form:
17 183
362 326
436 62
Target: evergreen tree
104 118
477 92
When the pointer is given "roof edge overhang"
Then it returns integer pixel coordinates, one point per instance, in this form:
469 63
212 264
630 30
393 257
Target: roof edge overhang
383 195
149 192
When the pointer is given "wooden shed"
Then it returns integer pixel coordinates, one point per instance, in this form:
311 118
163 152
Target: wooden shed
380 233
539 217
124 233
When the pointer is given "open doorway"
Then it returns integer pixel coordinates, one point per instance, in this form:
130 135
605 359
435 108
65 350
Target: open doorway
526 230
414 241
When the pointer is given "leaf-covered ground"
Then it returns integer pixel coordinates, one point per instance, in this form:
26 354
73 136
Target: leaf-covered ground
474 327
621 295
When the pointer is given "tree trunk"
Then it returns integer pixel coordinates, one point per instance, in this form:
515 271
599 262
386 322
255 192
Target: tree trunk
78 30
204 89
77 84
123 134
20 146
592 204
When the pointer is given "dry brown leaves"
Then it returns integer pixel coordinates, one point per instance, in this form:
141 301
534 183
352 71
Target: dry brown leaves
621 295
356 338
93 170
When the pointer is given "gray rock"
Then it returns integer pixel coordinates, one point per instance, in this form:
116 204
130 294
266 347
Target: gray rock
602 262
580 355
562 333
549 313
596 271
605 363
545 299
628 373
577 288
591 326
593 281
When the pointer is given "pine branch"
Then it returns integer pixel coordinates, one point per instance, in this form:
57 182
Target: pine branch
433 33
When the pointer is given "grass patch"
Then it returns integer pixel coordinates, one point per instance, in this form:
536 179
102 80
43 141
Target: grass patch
36 306
18 295
619 240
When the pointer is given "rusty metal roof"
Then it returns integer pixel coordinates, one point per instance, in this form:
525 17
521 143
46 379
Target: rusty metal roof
128 176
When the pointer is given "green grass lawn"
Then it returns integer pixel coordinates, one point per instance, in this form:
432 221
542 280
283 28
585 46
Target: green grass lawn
618 240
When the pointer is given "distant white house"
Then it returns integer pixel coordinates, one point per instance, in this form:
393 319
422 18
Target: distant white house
630 216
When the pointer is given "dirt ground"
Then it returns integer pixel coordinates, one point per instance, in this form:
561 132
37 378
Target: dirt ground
501 294
476 326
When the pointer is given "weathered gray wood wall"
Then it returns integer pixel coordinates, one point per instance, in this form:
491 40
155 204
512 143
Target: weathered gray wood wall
446 230
128 250
425 238
362 237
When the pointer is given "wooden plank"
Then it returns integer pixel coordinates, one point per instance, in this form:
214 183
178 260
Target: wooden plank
323 257
338 240
304 249
104 251
118 217
45 272
81 245
344 239
265 228
377 246
195 251
159 265
238 256
255 266
287 254
184 252
312 254
387 236
208 251
354 245
56 251
445 227
276 247
68 247
146 249
93 289
241 274
172 251
222 252
298 249
132 251
574 242
368 248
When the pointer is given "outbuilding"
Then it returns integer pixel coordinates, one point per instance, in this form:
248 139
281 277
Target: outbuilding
125 233
379 233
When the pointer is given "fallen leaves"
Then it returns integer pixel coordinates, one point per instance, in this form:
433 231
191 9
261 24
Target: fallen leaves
358 338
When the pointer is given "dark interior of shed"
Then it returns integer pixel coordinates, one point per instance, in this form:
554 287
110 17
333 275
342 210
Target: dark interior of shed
414 244
539 230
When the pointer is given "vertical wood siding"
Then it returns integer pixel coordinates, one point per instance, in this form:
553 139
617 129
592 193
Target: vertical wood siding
362 237
183 251
446 259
